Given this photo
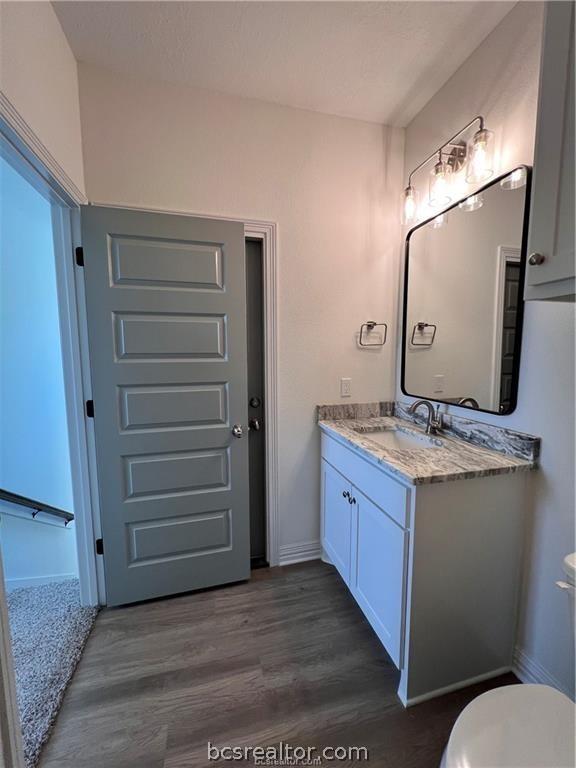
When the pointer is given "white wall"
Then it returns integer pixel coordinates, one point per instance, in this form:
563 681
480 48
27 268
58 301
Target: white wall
331 185
38 74
35 551
500 80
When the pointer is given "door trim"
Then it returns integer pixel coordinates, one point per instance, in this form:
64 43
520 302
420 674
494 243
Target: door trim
267 233
11 750
17 131
71 339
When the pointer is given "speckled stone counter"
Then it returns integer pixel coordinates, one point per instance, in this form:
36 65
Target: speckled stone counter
451 458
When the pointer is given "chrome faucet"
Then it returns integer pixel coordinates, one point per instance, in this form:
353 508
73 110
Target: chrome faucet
434 421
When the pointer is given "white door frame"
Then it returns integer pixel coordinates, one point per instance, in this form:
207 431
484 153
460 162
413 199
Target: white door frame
11 752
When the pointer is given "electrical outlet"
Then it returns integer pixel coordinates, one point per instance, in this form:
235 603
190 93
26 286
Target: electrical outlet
345 387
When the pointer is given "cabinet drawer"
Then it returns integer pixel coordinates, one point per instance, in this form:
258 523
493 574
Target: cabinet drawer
386 493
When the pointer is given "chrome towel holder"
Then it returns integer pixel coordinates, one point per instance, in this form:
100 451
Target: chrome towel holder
367 328
421 327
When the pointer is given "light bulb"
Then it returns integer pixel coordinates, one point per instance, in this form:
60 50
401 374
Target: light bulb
515 179
472 203
440 177
480 157
409 205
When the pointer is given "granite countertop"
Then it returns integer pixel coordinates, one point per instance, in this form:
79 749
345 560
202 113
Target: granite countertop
452 458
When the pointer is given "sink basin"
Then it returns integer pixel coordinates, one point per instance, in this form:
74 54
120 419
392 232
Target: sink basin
401 440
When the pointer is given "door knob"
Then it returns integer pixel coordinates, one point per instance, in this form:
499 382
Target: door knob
237 430
254 425
535 259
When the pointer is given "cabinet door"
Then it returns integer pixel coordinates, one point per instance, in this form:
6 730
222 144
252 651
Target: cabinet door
552 212
336 519
379 578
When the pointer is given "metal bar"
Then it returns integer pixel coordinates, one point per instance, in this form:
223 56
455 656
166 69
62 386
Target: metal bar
442 146
37 506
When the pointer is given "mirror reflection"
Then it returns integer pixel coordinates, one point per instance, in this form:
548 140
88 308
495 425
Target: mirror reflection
463 299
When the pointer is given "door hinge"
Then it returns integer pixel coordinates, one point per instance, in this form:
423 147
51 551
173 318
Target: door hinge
79 251
90 409
99 546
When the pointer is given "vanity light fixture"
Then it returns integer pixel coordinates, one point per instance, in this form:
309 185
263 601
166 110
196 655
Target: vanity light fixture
450 158
410 198
480 156
472 203
515 180
440 178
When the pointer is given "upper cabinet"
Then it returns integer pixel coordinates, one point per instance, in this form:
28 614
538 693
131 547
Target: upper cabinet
550 271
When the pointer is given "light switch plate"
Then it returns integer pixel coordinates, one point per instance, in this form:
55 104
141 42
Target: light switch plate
345 387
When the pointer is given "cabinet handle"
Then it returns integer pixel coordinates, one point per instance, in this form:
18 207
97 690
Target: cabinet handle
346 495
535 259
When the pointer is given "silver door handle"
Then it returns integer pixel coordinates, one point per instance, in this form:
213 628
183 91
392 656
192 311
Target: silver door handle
254 425
535 259
237 430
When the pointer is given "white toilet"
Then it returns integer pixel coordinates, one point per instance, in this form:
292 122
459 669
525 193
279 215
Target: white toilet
517 726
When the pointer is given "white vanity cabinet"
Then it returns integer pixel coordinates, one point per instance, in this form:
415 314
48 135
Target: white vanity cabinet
550 271
434 567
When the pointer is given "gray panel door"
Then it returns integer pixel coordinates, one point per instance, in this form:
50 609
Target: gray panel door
166 306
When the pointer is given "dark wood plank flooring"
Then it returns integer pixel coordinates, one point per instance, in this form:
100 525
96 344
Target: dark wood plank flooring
287 656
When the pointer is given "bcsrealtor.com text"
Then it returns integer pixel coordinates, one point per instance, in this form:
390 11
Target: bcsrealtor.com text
284 754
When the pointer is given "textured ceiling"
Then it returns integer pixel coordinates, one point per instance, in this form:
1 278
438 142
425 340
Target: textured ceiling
377 61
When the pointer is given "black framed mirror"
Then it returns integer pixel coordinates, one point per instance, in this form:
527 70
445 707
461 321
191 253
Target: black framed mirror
463 298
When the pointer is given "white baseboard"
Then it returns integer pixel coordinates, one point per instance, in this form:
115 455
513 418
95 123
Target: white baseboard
299 553
36 581
454 687
528 670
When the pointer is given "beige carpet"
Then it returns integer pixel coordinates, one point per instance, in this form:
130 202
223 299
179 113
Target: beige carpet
49 629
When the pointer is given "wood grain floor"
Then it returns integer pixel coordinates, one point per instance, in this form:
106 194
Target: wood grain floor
287 656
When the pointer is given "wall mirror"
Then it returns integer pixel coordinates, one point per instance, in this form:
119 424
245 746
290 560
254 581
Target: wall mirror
463 305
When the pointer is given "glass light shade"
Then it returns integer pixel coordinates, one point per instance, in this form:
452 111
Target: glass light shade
410 198
440 220
480 164
472 203
514 180
440 192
